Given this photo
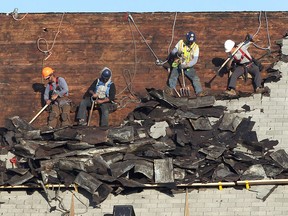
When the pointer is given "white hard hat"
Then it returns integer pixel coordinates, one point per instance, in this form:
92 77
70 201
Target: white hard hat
228 45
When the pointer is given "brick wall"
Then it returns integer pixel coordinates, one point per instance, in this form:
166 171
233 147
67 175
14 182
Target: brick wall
269 113
83 43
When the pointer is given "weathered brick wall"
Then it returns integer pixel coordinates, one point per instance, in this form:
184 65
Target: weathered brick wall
269 113
83 43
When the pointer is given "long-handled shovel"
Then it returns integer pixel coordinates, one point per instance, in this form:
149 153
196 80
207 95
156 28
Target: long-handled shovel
208 84
39 113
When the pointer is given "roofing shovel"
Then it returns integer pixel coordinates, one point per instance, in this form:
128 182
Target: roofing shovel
208 84
39 113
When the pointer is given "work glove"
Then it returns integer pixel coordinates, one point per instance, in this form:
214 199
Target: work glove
183 66
160 62
249 38
180 55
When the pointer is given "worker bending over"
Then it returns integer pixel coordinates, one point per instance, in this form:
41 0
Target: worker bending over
56 96
241 64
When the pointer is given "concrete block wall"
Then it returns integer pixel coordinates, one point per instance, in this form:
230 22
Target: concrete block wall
201 202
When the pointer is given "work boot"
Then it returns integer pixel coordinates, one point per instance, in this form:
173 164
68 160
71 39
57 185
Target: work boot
168 91
230 92
201 94
82 122
259 90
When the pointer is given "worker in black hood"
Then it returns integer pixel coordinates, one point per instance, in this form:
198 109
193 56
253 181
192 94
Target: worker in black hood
103 92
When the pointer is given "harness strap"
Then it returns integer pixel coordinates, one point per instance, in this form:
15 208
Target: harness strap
57 84
244 54
51 86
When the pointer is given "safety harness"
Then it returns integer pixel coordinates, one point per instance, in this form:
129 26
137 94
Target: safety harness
51 86
51 89
245 65
242 57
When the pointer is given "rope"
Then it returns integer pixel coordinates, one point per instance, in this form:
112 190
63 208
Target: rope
129 84
131 18
86 207
126 73
129 78
48 52
267 30
15 15
172 37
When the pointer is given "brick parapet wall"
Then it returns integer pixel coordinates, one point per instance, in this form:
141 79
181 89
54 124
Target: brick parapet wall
270 116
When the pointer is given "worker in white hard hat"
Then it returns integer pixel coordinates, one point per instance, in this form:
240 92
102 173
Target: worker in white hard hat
240 64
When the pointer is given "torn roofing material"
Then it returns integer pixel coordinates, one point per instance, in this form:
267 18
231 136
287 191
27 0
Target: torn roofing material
190 149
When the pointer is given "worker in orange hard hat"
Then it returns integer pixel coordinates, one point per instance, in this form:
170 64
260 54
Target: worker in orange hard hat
56 95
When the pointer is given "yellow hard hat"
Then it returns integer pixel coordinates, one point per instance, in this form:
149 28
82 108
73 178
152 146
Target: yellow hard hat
47 71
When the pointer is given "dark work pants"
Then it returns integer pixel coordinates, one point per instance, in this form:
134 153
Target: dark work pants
239 71
103 111
190 73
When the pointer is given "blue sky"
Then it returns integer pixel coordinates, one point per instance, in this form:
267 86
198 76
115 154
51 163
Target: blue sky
40 6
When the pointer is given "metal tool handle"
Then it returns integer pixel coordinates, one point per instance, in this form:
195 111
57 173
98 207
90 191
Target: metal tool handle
183 78
39 113
182 72
228 59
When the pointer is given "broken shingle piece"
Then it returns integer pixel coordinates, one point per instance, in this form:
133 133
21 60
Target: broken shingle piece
281 157
163 169
230 122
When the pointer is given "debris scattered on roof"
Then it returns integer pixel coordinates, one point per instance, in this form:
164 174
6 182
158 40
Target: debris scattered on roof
166 144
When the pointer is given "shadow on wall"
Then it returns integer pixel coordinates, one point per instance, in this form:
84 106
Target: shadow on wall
39 87
217 62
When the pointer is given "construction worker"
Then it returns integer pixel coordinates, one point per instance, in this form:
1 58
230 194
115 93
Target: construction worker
102 91
241 64
183 57
56 95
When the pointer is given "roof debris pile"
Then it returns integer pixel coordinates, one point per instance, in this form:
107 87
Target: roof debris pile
164 142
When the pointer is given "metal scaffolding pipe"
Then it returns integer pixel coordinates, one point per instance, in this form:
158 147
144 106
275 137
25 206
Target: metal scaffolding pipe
212 184
236 183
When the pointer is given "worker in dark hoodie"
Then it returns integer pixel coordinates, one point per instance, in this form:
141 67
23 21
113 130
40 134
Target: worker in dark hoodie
102 92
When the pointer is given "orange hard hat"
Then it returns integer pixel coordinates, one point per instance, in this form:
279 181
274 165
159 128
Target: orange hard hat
47 71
